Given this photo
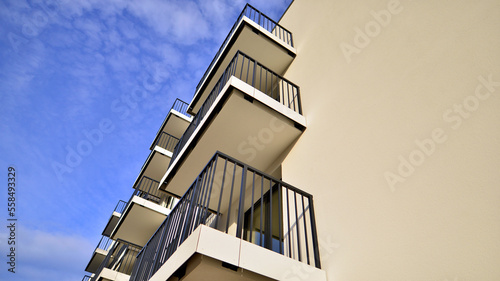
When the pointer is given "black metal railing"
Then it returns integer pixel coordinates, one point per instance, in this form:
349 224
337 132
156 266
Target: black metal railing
255 74
181 107
120 206
86 278
262 20
242 201
104 244
167 141
147 188
121 258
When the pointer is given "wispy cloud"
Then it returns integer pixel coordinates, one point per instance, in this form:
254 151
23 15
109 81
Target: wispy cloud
60 81
48 256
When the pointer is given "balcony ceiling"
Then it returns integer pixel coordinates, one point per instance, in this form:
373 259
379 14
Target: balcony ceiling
113 220
140 221
96 260
155 166
174 124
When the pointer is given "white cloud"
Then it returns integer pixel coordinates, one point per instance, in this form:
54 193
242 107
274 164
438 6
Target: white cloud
44 256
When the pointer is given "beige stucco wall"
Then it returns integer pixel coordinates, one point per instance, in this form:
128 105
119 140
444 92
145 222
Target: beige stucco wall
402 147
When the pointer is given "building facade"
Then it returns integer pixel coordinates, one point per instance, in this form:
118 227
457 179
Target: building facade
348 141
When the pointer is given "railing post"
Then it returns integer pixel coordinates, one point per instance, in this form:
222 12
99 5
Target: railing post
241 206
314 233
299 101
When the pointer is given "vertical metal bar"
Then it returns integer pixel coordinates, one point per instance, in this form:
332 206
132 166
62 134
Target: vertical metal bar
299 101
297 226
270 230
235 63
282 93
272 74
265 90
254 70
280 215
211 182
242 64
248 69
314 233
230 198
260 15
305 229
203 189
251 212
220 196
260 79
161 241
239 225
294 96
289 226
261 209
191 210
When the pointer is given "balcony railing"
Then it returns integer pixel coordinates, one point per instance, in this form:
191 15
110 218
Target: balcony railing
120 258
255 74
181 107
104 244
167 141
242 201
86 278
120 207
148 189
262 20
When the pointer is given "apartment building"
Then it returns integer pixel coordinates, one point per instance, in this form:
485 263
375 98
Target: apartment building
347 141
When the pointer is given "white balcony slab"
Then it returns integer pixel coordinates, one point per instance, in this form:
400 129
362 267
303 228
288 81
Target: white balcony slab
207 252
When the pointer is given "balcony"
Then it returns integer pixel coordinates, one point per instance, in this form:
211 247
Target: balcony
115 217
167 141
173 126
258 36
147 208
118 263
237 217
86 278
99 254
251 111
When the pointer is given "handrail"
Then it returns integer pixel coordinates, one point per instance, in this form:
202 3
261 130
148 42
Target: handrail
262 20
180 106
229 193
104 244
120 206
255 74
86 278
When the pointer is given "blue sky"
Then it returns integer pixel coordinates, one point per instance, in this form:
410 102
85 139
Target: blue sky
93 78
